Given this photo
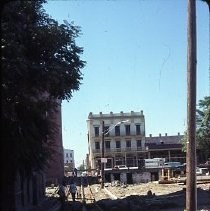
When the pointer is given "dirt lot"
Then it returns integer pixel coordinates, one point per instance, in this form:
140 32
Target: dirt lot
157 189
171 194
168 197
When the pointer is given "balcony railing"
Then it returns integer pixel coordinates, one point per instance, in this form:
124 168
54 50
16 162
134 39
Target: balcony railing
112 135
96 150
117 149
126 149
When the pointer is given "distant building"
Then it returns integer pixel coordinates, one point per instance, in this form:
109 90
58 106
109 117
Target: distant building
168 147
69 157
124 143
69 163
87 162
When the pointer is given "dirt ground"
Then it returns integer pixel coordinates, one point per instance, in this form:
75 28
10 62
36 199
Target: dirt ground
168 197
174 193
155 187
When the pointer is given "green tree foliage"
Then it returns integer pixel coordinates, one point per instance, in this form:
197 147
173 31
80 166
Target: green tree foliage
202 129
81 167
184 142
40 64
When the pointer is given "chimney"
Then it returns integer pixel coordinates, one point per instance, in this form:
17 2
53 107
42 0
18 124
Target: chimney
90 114
100 113
121 113
165 134
141 112
111 113
150 135
159 134
178 134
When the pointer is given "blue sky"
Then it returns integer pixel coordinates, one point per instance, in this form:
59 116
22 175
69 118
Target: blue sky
136 60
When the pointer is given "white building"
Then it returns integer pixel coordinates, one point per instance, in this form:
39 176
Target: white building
124 144
69 157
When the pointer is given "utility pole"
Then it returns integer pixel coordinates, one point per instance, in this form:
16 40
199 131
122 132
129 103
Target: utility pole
104 160
102 156
191 189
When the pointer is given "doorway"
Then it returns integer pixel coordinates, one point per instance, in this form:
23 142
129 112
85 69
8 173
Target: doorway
129 178
116 176
108 177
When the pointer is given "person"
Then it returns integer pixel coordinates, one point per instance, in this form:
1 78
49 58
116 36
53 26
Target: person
73 190
62 194
75 172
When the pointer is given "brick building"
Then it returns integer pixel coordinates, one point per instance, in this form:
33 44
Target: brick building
30 191
55 172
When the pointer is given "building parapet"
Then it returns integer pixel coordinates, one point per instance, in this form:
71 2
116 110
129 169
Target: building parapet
115 115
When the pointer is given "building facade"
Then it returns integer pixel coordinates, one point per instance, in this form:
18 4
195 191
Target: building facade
124 139
69 157
29 191
168 147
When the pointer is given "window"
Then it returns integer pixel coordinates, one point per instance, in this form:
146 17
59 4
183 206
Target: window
97 145
67 155
106 129
118 161
70 155
117 130
138 143
107 144
109 163
118 144
128 144
127 130
138 130
96 131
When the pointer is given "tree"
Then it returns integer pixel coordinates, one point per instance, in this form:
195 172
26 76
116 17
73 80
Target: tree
202 129
81 167
40 63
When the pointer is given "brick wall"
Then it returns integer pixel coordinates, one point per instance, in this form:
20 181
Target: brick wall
55 172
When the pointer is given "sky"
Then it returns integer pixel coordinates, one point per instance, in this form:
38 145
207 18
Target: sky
136 60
